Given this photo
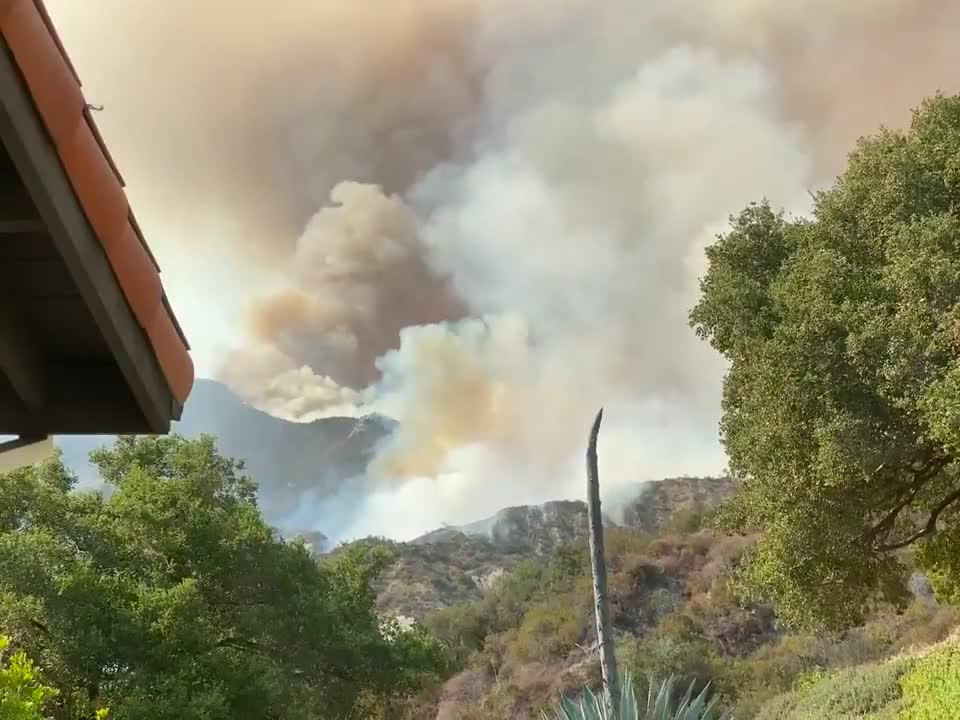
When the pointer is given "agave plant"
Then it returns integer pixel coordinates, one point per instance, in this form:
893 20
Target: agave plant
590 707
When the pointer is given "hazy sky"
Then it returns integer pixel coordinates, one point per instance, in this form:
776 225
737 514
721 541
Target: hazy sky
483 217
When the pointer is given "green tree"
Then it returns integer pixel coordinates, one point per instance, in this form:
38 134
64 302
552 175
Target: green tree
841 407
173 598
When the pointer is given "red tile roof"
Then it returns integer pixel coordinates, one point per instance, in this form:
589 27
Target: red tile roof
55 88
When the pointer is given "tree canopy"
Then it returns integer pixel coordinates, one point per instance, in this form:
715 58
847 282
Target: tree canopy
841 406
173 599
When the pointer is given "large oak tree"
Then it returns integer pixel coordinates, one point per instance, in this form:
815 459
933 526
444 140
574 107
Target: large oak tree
841 407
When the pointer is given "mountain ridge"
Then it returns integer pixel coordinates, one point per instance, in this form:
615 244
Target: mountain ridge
457 564
293 463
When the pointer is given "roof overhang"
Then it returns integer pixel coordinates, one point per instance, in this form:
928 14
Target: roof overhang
113 360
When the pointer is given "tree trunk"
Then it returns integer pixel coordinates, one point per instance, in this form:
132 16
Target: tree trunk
608 663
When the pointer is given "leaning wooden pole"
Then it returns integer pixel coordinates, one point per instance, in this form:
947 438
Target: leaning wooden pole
608 662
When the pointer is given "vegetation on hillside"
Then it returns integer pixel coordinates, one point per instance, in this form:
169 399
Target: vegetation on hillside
867 691
531 639
908 687
931 688
451 565
173 599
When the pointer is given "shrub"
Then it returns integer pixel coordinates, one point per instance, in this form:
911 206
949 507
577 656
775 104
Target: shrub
779 665
549 630
925 624
462 628
931 690
684 656
687 522
570 562
513 593
732 629
22 693
850 694
621 545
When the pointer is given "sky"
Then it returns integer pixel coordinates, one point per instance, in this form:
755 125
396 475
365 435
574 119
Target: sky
483 218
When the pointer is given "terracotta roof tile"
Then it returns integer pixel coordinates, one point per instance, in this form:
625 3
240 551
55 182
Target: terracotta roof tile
49 77
56 38
136 228
55 88
88 116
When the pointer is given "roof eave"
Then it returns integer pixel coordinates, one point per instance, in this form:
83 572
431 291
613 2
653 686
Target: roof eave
26 139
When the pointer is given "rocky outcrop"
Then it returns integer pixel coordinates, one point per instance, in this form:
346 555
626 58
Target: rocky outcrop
459 563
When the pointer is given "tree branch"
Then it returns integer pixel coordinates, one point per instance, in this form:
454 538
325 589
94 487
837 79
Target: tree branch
920 479
930 528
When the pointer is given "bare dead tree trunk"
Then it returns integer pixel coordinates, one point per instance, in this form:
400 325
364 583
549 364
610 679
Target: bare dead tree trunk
608 663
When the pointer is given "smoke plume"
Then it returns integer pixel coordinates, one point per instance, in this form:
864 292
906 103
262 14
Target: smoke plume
358 276
486 219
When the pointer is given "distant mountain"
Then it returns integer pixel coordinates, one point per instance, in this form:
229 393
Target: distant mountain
457 563
294 463
312 478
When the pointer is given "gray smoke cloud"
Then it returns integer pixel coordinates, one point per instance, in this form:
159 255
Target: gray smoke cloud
486 219
357 277
255 111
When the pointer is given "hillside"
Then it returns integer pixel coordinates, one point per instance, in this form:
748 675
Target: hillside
510 597
525 635
459 563
294 463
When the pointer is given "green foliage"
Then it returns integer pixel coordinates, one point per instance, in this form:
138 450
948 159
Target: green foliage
462 628
707 634
549 629
22 692
569 563
512 594
841 416
699 707
173 599
850 694
786 667
680 651
931 689
660 705
687 522
537 603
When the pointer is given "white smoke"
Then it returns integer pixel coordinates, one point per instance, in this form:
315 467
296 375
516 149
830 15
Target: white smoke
586 220
522 195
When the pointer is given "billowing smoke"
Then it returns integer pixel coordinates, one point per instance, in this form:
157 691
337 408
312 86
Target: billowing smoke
486 218
358 276
252 112
233 121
